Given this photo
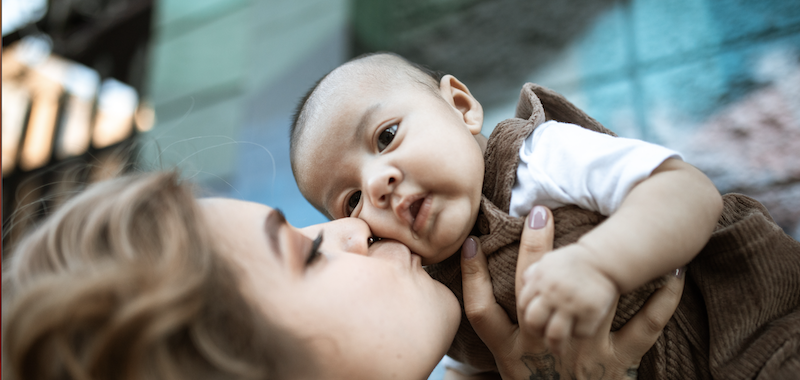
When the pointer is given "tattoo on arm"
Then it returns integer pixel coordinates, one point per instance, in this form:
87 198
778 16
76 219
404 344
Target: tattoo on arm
633 373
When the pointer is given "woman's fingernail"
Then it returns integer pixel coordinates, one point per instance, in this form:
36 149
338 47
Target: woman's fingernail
469 248
680 272
537 219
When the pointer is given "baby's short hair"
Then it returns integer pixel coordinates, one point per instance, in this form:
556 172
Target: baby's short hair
388 63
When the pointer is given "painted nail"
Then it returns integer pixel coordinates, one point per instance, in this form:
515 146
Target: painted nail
469 248
537 219
680 272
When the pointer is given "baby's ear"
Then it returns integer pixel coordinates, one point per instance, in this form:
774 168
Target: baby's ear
458 95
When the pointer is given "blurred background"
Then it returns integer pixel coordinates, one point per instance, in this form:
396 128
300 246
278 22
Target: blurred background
91 88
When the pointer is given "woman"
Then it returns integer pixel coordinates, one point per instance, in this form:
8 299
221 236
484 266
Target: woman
135 278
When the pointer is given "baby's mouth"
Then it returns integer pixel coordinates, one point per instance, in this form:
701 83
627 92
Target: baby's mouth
422 212
414 209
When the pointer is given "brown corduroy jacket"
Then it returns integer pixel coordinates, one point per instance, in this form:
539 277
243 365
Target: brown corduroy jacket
739 316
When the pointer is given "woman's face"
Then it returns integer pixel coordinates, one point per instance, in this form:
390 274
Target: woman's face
366 311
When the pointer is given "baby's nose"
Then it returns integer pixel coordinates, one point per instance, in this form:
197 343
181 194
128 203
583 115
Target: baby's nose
381 185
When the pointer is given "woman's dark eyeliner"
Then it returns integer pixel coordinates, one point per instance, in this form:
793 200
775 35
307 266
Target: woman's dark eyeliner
314 253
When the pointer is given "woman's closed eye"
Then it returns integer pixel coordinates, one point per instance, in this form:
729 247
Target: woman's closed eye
314 254
386 137
352 203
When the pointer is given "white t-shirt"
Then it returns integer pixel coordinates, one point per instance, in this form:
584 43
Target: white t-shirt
564 164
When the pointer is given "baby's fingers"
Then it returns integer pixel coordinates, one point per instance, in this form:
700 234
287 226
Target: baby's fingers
589 322
559 330
537 315
487 317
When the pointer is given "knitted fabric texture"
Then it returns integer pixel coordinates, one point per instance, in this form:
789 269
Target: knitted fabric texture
738 317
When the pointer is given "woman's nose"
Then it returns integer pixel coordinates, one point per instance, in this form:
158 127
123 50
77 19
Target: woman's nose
381 184
347 234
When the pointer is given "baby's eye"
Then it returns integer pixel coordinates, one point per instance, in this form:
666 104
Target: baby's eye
386 136
352 202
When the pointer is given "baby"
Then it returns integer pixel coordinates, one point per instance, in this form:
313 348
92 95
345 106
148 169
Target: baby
381 140
399 146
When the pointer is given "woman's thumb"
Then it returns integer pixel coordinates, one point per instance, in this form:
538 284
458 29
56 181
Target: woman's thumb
487 318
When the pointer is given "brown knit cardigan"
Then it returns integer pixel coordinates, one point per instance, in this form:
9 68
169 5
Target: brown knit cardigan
739 316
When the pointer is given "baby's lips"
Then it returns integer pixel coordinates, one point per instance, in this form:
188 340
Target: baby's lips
421 210
403 209
405 214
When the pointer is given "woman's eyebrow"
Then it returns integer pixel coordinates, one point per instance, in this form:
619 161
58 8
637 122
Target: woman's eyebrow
272 225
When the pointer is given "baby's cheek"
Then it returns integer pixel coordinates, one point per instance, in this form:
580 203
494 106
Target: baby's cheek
451 235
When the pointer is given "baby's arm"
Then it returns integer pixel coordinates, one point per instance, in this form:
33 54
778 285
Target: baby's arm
662 223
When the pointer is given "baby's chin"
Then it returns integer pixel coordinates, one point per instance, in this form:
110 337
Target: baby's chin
441 253
444 245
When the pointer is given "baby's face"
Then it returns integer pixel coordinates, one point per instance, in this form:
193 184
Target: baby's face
399 157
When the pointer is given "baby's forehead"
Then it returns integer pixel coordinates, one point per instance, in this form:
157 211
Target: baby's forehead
344 98
340 90
324 152
381 71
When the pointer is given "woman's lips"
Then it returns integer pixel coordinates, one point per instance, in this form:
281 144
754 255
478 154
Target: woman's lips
396 250
416 260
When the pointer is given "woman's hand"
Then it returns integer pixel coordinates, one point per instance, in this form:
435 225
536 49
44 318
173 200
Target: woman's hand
521 353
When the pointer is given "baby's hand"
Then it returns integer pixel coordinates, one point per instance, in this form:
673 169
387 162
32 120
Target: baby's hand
564 295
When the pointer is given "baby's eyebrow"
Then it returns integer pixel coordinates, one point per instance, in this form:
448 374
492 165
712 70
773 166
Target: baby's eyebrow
365 118
328 198
328 204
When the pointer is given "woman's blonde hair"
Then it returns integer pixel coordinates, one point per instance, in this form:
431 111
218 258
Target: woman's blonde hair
123 282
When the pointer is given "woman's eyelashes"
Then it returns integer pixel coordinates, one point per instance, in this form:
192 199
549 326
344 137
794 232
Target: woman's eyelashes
352 203
386 137
314 253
